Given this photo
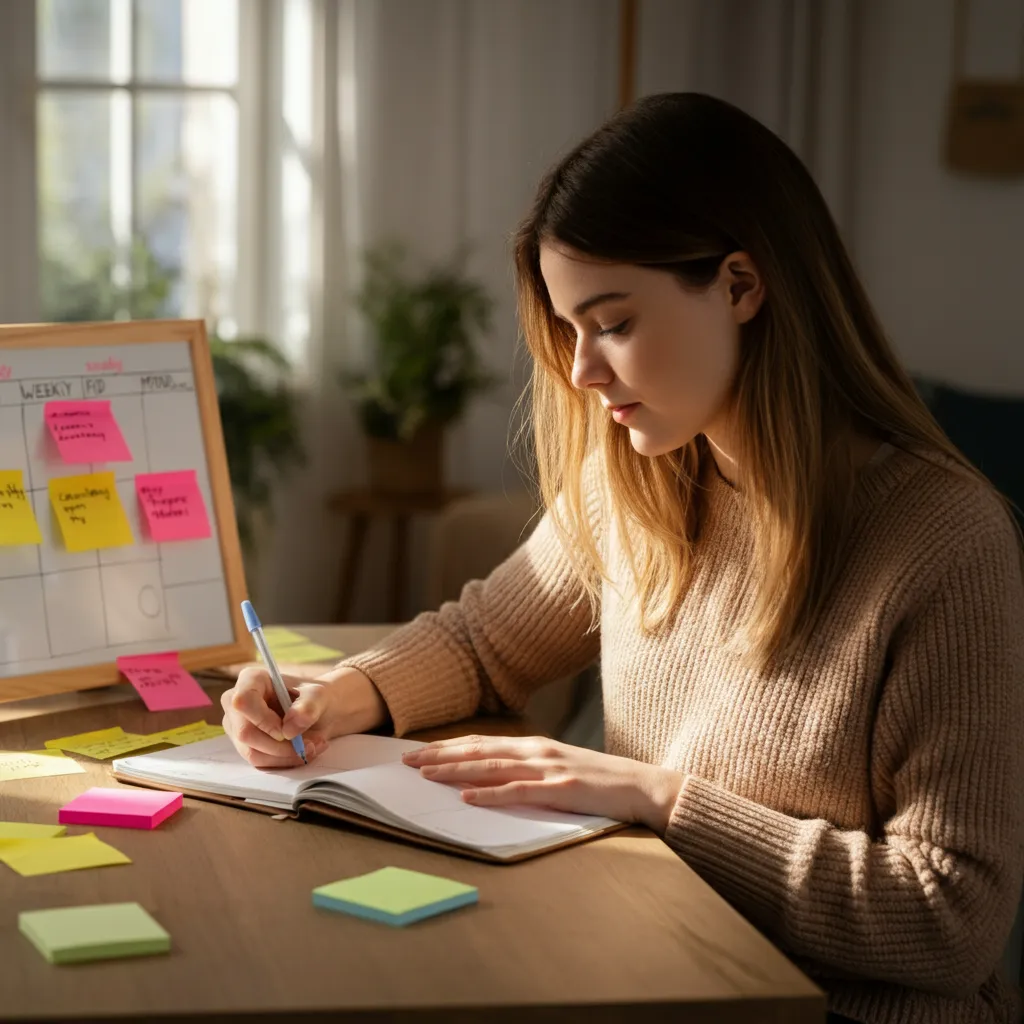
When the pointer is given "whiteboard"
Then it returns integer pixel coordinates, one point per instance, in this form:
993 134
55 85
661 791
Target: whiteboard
62 610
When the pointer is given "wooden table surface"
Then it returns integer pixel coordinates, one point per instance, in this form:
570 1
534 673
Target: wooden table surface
596 932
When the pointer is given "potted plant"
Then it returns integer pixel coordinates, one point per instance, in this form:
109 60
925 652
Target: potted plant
259 413
423 367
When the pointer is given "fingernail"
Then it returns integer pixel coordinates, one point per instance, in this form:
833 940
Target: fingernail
429 769
278 735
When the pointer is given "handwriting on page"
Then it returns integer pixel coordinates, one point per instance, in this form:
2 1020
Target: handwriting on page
90 512
173 505
86 432
162 683
17 521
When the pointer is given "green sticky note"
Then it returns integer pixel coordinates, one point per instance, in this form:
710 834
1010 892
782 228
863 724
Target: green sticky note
10 830
69 935
48 856
394 895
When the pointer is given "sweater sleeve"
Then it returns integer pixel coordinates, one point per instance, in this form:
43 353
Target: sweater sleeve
930 901
526 624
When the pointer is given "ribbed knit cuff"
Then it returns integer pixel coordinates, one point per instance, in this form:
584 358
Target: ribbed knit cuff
422 685
739 847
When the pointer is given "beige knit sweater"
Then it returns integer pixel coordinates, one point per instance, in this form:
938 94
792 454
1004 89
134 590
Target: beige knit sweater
862 804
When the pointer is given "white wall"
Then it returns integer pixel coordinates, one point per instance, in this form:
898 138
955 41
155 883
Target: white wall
942 255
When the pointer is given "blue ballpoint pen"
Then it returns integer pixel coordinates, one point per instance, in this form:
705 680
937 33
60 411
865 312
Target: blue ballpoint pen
252 623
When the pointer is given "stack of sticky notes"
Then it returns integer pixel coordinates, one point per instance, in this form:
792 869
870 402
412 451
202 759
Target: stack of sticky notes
395 896
122 808
295 649
70 935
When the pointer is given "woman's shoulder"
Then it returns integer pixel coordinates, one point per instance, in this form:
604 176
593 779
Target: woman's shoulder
933 507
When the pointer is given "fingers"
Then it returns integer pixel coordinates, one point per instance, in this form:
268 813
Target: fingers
475 748
249 699
306 710
314 743
511 794
492 771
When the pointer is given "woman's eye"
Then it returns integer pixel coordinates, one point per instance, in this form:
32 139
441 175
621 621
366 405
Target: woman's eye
617 329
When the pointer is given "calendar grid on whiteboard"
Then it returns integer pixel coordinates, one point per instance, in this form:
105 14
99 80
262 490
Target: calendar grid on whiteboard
66 610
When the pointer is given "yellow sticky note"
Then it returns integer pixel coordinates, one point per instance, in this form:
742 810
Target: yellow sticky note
48 856
13 830
67 742
277 636
103 743
191 733
17 520
18 764
90 512
301 654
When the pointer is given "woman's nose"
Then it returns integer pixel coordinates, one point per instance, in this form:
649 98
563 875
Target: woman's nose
587 366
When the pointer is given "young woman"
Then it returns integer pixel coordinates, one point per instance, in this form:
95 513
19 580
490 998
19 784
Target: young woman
808 607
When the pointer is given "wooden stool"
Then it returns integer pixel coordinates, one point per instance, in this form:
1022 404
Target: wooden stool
362 506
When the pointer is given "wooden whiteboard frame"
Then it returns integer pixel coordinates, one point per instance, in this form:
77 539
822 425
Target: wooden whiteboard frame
148 332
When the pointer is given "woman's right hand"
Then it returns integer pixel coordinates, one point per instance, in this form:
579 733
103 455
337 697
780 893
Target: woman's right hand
340 702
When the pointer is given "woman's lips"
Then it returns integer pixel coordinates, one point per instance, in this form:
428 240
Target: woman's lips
620 413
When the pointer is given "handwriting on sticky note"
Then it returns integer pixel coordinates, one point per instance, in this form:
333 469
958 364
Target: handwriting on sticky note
17 520
194 732
89 511
162 683
86 432
173 505
103 743
48 856
16 764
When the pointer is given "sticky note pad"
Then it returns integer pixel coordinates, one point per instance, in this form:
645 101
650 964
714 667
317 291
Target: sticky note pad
172 505
162 683
89 512
17 520
290 647
86 432
124 808
12 830
21 764
48 856
70 935
394 895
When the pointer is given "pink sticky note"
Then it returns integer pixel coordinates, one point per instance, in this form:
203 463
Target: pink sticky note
86 432
125 808
162 683
173 505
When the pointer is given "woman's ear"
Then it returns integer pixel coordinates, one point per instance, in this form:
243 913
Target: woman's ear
746 288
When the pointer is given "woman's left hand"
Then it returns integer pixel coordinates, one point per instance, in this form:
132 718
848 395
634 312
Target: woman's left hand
505 770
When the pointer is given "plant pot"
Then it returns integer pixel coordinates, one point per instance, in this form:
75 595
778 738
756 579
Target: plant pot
407 467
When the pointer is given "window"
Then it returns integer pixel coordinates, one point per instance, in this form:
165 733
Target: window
139 159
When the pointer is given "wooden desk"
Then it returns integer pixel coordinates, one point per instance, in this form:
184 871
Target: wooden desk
594 933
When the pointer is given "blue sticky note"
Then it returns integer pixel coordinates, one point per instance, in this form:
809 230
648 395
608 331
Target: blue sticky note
394 895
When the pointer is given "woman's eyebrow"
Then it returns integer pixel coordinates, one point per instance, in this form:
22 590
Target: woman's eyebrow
594 300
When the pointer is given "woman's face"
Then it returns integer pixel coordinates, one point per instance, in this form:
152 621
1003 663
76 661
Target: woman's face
645 341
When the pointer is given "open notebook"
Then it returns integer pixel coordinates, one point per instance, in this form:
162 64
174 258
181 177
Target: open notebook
362 779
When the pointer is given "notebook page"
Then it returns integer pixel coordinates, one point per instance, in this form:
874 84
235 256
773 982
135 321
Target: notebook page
215 766
436 809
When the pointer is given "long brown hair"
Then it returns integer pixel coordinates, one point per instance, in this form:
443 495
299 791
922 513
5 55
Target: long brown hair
677 182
